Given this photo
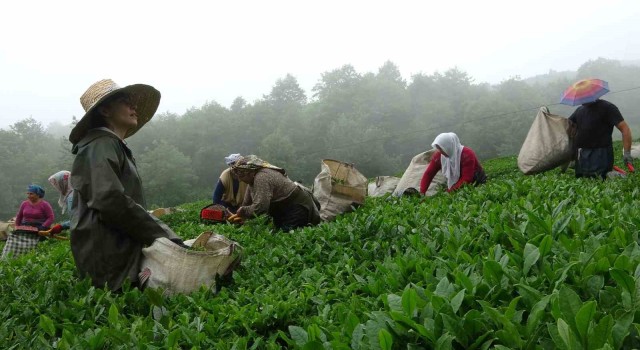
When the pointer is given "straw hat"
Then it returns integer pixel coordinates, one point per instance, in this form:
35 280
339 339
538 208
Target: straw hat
146 98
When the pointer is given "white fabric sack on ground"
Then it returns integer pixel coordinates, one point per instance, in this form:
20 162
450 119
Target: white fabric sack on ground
382 185
180 270
338 186
547 145
413 175
635 151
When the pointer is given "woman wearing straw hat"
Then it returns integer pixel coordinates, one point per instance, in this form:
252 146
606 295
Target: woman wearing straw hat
110 225
229 191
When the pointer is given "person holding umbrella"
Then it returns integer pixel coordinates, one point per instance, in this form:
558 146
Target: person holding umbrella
594 121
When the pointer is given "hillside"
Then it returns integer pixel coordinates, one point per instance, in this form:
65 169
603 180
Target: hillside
538 262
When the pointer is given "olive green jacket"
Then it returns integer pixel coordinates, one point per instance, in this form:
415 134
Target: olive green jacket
110 225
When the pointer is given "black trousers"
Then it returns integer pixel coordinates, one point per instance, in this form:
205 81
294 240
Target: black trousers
594 162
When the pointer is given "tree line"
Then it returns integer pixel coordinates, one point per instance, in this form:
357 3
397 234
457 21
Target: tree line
377 120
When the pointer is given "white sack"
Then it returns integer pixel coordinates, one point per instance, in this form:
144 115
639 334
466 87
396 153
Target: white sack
337 187
547 145
180 270
413 175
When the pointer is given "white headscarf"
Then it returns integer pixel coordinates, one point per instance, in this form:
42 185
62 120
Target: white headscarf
232 158
450 144
60 181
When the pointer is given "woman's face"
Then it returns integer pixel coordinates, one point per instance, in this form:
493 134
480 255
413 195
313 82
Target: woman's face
32 197
121 114
245 176
442 151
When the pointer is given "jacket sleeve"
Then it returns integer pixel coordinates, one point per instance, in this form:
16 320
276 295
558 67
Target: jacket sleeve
97 180
257 201
19 214
218 192
468 164
67 224
48 212
431 171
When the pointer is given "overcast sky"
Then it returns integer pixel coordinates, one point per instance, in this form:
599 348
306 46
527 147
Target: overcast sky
199 51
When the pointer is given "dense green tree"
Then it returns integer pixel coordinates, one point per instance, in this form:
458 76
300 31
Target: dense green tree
376 120
167 175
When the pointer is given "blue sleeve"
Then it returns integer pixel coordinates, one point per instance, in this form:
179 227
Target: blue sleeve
67 224
218 192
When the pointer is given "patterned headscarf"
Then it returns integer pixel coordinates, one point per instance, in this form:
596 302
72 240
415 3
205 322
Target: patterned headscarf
252 162
60 181
36 189
232 158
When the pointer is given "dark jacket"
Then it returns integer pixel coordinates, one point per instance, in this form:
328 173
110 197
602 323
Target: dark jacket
110 225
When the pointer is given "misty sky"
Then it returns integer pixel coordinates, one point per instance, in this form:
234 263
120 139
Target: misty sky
199 51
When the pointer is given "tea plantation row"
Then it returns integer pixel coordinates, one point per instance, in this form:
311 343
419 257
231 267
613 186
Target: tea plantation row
538 262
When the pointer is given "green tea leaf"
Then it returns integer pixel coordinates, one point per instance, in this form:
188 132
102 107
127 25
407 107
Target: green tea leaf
444 342
601 332
386 341
570 303
113 315
492 272
565 333
443 288
621 329
395 302
453 326
536 314
530 256
545 245
356 337
583 320
409 301
155 297
594 284
315 333
299 335
624 280
172 338
456 301
47 325
313 345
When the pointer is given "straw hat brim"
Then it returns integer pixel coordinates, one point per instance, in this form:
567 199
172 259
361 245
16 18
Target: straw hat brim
145 97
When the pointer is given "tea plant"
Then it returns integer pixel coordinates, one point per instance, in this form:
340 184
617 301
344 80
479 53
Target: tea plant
538 262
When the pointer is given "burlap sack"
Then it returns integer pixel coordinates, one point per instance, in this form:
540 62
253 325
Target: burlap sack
5 228
160 212
338 187
410 181
548 144
179 270
382 185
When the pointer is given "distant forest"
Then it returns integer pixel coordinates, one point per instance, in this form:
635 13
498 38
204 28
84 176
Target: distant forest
378 121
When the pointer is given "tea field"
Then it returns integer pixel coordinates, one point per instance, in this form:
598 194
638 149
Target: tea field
537 262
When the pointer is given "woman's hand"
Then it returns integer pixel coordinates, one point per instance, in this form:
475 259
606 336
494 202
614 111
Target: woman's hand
56 229
235 218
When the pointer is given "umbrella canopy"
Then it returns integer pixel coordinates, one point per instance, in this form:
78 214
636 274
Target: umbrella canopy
584 91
